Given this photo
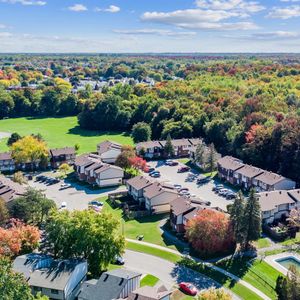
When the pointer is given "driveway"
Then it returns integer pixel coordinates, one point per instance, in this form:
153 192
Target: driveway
204 191
169 273
76 197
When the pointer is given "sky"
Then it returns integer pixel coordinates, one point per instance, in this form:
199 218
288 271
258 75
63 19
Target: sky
137 26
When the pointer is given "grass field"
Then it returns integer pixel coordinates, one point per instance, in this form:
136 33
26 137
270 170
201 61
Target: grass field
149 280
60 132
262 243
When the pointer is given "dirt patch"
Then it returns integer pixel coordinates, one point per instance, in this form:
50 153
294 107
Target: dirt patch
4 135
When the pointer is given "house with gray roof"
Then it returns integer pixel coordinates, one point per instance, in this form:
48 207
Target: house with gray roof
276 205
136 186
227 165
10 190
114 284
109 151
59 156
56 279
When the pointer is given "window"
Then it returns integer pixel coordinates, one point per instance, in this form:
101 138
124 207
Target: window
37 288
54 291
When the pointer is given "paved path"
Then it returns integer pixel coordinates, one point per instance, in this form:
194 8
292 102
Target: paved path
232 276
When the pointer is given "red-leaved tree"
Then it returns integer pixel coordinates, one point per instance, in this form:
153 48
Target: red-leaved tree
18 238
210 232
138 163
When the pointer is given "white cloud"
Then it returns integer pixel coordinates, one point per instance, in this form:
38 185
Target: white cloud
273 35
110 9
199 19
5 34
26 2
285 12
160 32
2 26
236 5
78 7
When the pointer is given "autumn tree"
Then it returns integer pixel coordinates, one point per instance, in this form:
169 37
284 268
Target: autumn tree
123 160
32 207
294 218
85 234
138 163
19 178
64 169
141 132
251 219
30 150
13 138
210 232
214 294
18 238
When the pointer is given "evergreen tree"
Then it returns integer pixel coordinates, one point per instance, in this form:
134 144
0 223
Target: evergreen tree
3 212
169 149
13 138
252 219
236 211
281 288
212 158
199 154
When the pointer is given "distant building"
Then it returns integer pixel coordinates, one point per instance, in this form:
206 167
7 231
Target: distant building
109 151
115 284
10 190
6 162
55 278
60 156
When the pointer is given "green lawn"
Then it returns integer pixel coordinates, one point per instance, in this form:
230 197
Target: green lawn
149 280
258 273
146 226
291 242
60 132
262 243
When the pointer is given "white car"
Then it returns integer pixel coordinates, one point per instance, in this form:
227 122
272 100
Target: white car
65 185
63 205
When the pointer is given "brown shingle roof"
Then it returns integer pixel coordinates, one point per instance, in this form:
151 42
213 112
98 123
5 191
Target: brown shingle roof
149 293
5 156
156 189
107 145
178 142
270 200
149 144
270 178
249 171
195 142
180 206
86 159
62 151
139 182
230 163
9 190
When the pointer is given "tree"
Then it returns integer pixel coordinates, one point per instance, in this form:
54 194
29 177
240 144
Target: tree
199 154
281 288
214 294
236 211
138 163
85 234
33 207
64 169
18 238
169 149
141 132
123 159
294 218
13 138
29 150
19 178
3 212
210 232
12 285
251 219
77 147
211 158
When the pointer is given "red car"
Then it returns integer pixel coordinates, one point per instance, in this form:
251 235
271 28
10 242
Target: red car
183 169
188 288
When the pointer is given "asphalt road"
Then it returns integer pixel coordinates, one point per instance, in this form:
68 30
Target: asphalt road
169 273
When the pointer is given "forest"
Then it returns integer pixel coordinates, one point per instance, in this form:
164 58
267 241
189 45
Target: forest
247 106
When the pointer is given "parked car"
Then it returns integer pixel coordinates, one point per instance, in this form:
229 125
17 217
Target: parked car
149 169
64 186
184 189
202 179
154 171
96 203
155 175
171 163
119 260
95 208
40 178
188 288
230 196
63 205
177 186
222 192
183 169
218 187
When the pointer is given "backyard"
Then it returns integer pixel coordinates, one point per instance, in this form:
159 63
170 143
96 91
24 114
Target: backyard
60 132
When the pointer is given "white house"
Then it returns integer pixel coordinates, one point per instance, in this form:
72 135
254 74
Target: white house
108 175
56 279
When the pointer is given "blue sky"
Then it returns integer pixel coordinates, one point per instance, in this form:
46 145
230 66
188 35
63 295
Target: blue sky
149 26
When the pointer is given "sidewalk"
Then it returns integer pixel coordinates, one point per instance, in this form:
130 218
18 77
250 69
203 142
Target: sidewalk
232 276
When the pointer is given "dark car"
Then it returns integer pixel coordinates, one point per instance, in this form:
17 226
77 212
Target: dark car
119 260
230 196
202 179
183 169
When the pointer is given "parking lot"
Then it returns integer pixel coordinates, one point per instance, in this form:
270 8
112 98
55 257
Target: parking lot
203 191
76 197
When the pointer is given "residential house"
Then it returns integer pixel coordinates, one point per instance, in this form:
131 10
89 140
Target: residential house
227 165
6 162
275 205
245 176
10 190
54 278
90 168
115 284
61 156
268 181
109 151
158 197
150 293
150 149
181 147
136 186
